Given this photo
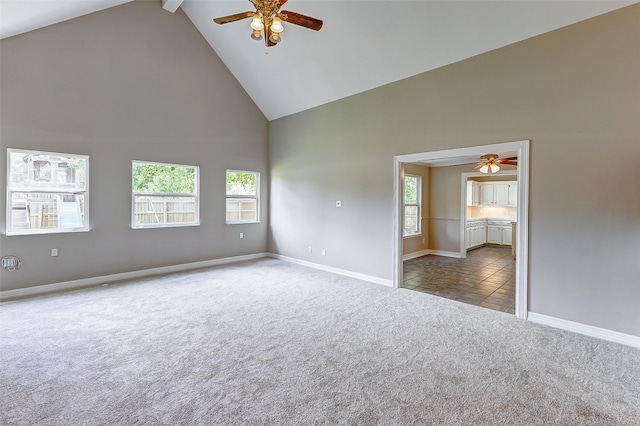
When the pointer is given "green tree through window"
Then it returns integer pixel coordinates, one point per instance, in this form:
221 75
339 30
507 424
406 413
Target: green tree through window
241 183
158 178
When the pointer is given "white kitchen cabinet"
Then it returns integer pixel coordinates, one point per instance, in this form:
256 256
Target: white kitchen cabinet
473 193
499 232
507 235
479 232
479 235
499 193
487 197
482 234
513 193
475 233
494 234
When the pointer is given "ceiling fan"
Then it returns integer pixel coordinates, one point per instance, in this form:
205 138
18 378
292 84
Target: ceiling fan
491 163
268 18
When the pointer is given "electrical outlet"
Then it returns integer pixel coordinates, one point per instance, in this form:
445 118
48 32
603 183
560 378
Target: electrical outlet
324 252
424 241
54 252
310 250
242 235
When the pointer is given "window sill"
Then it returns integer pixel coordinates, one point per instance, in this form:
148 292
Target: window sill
404 237
241 222
48 231
169 225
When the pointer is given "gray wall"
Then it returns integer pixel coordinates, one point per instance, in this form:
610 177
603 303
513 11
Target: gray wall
574 92
444 215
130 82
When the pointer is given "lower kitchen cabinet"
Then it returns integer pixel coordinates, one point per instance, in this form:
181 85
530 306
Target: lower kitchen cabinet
476 233
499 232
479 232
507 235
494 234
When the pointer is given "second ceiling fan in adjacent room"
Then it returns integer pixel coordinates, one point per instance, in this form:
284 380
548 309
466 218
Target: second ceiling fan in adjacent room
491 163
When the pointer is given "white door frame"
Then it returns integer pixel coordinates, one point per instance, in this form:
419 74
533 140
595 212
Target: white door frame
522 237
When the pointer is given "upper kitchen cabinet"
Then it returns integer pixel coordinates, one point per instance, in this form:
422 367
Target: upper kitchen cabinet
513 193
500 193
473 193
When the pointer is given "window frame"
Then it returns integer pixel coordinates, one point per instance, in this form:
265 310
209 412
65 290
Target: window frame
417 204
9 231
195 196
232 196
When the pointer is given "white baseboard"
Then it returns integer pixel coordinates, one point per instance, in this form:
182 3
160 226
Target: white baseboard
587 330
421 253
415 254
445 253
357 275
89 282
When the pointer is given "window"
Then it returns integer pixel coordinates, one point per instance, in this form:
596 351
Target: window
412 205
46 192
164 195
242 196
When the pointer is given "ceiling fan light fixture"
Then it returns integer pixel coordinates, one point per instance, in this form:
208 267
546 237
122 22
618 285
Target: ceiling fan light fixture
489 163
256 35
276 26
275 38
266 20
256 23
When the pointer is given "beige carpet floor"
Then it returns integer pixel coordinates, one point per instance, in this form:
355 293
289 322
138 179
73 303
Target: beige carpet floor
272 343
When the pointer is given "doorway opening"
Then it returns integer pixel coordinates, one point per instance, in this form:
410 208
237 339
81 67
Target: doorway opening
467 156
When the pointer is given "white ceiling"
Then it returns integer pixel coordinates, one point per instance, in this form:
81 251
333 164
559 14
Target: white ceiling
362 45
20 16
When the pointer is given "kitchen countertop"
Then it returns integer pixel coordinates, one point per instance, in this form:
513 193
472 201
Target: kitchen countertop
491 218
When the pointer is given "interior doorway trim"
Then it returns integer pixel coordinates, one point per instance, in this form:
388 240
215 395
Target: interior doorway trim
522 237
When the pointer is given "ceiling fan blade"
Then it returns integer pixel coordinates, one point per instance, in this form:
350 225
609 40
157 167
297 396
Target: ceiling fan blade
510 160
233 18
300 19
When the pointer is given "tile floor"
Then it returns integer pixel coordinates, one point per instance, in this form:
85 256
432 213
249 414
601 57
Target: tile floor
485 278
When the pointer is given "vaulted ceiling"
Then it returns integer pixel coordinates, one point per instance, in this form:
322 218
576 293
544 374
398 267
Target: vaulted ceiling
362 45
